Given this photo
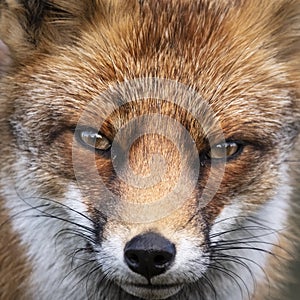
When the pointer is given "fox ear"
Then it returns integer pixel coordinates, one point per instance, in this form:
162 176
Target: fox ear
286 29
26 25
29 14
21 21
286 38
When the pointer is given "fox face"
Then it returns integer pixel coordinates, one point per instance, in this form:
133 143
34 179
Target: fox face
146 147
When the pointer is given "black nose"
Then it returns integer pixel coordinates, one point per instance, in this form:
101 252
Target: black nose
149 254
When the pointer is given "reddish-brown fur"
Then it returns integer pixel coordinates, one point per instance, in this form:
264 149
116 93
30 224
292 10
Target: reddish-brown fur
239 55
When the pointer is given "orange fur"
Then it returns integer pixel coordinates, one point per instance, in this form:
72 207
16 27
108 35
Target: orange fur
56 56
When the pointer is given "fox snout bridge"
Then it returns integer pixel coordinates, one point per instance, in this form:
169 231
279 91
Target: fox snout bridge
149 254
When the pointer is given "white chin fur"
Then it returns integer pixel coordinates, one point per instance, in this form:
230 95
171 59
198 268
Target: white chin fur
145 293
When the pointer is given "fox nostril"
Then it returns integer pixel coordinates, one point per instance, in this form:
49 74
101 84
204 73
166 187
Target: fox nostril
149 254
161 260
132 258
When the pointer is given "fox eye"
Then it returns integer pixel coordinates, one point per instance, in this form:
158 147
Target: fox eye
224 150
93 139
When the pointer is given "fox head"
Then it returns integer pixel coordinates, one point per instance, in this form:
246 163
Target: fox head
152 137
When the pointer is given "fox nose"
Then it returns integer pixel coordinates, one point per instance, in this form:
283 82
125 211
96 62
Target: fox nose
149 254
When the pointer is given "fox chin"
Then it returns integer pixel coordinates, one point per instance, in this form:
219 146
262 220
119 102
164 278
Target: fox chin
149 148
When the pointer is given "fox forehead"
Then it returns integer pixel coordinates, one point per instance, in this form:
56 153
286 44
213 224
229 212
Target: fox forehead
71 77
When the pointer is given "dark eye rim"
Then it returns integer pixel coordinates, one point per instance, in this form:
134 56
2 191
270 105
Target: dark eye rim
77 134
241 145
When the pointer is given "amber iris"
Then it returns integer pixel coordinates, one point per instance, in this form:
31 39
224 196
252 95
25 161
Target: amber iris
224 150
93 139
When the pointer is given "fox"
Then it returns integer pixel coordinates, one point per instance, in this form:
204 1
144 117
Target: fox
149 149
